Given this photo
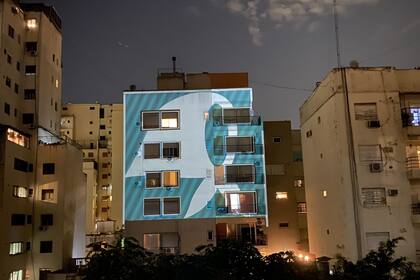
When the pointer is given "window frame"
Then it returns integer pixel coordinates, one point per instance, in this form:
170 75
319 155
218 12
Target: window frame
160 206
170 142
40 246
371 205
160 112
255 199
236 123
153 143
178 178
243 164
152 172
22 250
46 168
163 205
241 136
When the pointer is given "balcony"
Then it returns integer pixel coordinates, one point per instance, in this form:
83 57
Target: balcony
411 120
236 120
250 233
415 211
240 179
413 167
240 209
256 149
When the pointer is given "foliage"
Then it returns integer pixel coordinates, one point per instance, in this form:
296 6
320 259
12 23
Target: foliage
234 260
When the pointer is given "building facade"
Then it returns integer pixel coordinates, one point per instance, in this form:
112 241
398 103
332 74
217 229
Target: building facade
288 229
97 128
359 139
35 187
194 169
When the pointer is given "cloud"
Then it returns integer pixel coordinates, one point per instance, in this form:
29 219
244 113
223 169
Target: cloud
193 10
298 13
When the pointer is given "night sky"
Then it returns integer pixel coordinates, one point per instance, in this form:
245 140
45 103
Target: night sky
283 44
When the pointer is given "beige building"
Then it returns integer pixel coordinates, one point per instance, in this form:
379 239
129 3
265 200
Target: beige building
360 133
287 228
36 234
98 129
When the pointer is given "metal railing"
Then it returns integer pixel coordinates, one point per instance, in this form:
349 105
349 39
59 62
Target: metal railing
412 162
410 116
237 210
240 120
415 208
253 148
240 179
260 239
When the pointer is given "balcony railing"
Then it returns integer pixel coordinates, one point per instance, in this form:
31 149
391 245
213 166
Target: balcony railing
240 179
237 210
258 239
415 208
238 120
410 116
223 149
413 162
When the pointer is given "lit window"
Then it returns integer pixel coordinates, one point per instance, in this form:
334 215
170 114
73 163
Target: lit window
301 207
298 183
16 275
324 193
243 202
20 191
31 23
153 179
281 195
171 179
15 248
169 120
56 83
47 195
17 138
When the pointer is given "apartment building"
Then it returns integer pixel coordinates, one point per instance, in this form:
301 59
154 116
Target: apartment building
35 186
193 163
98 129
288 229
360 132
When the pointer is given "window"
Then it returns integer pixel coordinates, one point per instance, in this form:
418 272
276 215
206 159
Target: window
30 70
31 47
90 154
301 207
370 153
104 165
237 115
102 126
281 195
15 248
8 82
17 138
18 219
170 120
151 206
102 138
150 120
31 23
48 168
17 65
284 224
16 275
239 173
11 32
7 108
244 202
9 59
29 94
171 205
20 191
373 239
153 179
16 88
91 108
373 197
151 241
105 154
297 156
152 150
171 179
365 111
21 165
298 183
104 176
47 195
27 118
276 139
170 150
324 193
45 247
239 144
101 111
47 220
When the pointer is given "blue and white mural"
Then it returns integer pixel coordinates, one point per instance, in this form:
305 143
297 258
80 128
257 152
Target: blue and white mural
200 124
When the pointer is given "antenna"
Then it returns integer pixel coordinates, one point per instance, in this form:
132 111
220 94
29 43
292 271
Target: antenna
337 38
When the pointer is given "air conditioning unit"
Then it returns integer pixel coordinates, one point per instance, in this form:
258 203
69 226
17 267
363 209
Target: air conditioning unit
376 167
374 124
392 192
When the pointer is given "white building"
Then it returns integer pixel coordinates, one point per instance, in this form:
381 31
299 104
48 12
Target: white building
360 137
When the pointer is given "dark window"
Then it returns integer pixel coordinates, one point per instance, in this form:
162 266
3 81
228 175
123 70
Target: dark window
64 108
91 108
171 205
237 115
240 173
45 246
276 139
102 138
15 112
21 165
11 32
9 59
48 168
29 219
150 120
151 206
29 94
30 69
153 179
284 225
170 150
101 113
102 126
18 219
47 219
55 106
152 150
27 118
28 246
18 65
16 88
7 108
8 82
31 46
